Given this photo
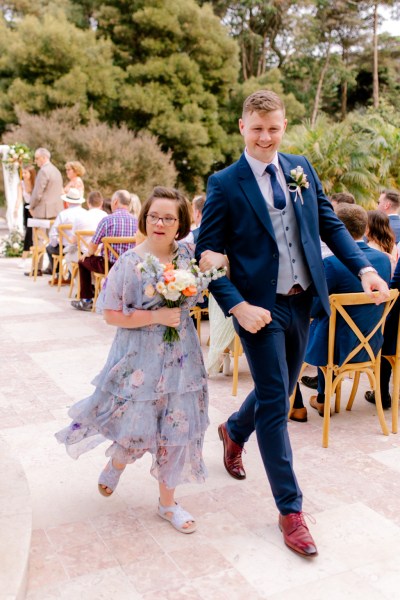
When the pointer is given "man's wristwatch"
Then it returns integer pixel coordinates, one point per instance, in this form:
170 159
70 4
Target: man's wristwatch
364 270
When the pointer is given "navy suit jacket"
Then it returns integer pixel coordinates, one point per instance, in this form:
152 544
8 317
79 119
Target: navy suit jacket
394 221
392 321
341 281
236 221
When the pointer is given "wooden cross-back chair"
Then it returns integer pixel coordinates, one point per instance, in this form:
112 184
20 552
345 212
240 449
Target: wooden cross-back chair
237 352
40 241
108 250
64 237
197 311
334 374
83 237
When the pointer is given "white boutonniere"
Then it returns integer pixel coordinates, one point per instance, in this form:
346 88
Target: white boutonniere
299 181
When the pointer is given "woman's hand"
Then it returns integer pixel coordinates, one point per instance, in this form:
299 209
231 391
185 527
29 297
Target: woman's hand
171 317
212 260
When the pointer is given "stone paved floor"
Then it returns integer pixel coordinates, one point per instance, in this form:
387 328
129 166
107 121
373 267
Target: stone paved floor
117 548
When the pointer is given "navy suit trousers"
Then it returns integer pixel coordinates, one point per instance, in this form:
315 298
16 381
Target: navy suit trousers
275 355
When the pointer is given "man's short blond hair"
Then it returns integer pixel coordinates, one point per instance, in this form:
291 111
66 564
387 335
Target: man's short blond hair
263 101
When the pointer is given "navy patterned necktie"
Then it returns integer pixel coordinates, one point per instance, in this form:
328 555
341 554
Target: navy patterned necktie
277 191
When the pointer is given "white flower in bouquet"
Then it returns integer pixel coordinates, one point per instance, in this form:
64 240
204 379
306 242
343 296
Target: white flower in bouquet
176 285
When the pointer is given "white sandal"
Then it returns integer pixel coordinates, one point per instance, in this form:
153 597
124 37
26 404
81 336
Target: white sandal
178 518
109 477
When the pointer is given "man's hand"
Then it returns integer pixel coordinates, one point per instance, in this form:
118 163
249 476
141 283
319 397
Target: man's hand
371 283
251 318
210 260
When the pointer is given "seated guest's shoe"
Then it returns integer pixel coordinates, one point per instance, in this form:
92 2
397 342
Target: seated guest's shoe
82 304
48 271
39 273
232 454
63 281
310 382
386 401
296 534
298 414
319 406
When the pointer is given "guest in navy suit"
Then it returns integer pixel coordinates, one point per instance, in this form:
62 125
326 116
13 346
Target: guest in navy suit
340 281
389 345
260 212
389 203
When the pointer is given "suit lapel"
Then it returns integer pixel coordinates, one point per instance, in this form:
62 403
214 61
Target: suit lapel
253 194
286 167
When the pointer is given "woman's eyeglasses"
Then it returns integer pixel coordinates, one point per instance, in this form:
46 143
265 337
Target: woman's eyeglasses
153 219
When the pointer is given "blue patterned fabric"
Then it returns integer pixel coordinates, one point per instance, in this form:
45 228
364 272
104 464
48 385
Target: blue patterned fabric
151 396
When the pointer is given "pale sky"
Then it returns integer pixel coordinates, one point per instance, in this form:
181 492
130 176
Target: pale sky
390 25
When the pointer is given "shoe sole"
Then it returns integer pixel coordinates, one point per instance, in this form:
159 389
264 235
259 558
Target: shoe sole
221 437
298 420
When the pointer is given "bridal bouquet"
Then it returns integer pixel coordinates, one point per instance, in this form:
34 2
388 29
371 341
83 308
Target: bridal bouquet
17 156
175 284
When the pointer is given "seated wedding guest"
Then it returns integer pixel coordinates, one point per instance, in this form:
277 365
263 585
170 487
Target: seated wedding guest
389 346
336 200
198 203
380 235
120 223
135 208
389 203
222 334
107 205
74 213
88 220
24 195
75 171
136 205
340 280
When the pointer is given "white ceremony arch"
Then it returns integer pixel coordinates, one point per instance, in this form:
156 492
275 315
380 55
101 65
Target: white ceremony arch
11 183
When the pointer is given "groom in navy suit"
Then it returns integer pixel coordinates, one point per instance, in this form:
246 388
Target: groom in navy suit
268 218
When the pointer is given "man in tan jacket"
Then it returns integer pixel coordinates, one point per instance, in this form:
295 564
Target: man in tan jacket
46 200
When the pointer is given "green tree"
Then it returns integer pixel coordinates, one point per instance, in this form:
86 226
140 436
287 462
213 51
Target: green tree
342 160
181 65
262 29
359 155
48 62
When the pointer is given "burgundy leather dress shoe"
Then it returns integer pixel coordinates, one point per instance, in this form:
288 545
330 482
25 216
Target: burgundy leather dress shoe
232 454
296 534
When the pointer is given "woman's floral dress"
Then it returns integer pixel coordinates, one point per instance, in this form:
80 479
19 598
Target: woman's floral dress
151 395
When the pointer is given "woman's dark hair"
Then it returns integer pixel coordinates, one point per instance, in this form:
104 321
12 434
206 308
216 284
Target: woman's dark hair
184 209
380 231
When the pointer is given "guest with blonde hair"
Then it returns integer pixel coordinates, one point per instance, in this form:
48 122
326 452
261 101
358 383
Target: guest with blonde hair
135 206
75 171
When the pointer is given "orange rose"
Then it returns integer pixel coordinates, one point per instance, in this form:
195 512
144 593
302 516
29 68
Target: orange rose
191 290
169 267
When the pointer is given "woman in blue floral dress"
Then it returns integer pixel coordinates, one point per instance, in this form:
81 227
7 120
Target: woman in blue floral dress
151 395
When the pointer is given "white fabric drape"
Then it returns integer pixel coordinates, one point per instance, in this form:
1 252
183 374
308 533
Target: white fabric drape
11 183
222 334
